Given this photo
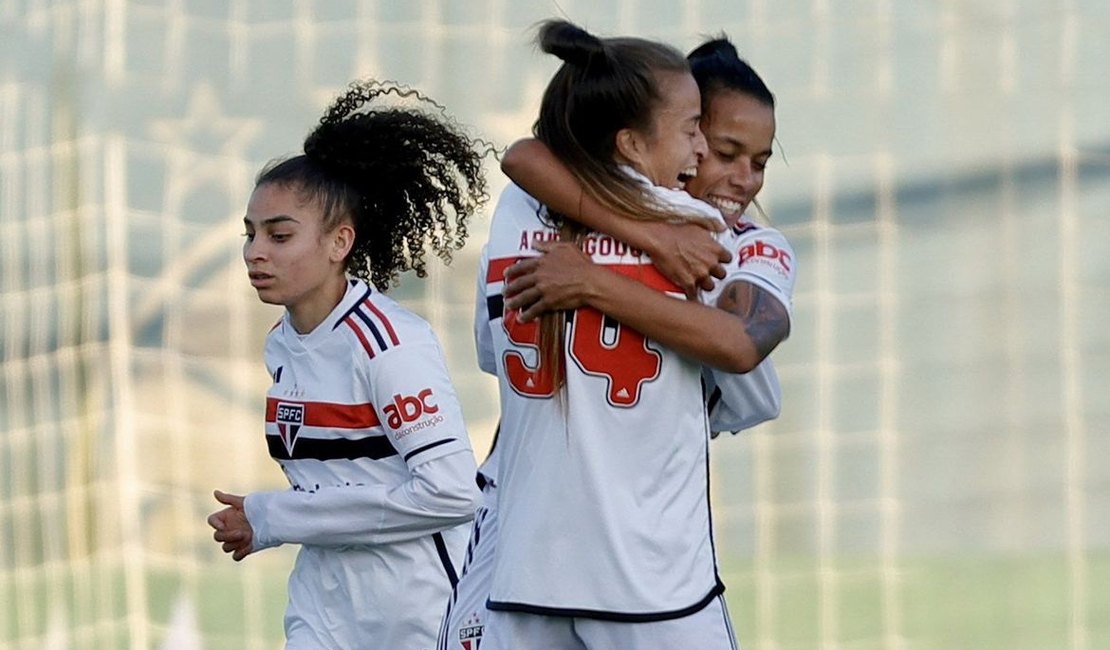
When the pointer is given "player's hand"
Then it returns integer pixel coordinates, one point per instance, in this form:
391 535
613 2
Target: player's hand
688 254
558 279
233 531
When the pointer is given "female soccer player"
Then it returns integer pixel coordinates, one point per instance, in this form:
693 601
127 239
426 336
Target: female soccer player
361 416
604 536
738 121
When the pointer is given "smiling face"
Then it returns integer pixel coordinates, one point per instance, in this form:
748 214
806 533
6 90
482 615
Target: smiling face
291 260
671 150
740 131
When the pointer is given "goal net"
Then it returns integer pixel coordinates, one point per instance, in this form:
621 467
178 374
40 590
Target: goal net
937 478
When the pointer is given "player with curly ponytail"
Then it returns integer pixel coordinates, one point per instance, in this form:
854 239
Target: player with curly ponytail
407 180
361 415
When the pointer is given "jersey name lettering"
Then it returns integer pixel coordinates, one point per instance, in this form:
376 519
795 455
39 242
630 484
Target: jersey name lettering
527 238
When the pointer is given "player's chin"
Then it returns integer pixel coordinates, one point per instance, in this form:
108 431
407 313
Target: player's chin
269 296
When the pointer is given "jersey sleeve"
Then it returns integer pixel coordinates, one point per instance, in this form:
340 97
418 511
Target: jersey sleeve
763 257
741 401
416 401
483 337
438 494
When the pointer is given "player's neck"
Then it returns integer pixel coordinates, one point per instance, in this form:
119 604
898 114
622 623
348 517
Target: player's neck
307 314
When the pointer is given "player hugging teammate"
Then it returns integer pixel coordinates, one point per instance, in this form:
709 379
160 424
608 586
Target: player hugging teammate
595 530
617 360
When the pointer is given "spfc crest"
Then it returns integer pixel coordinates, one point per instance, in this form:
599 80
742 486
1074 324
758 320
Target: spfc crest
470 634
290 418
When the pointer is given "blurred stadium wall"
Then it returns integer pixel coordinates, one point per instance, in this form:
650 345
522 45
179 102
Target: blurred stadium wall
939 478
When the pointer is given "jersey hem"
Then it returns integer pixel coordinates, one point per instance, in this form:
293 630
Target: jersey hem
603 615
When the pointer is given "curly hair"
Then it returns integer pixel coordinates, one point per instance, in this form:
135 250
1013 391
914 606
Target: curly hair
408 180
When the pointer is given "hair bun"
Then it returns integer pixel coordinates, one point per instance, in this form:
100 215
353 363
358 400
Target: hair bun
719 47
569 42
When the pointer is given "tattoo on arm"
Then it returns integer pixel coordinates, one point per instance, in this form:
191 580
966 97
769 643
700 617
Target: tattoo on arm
764 318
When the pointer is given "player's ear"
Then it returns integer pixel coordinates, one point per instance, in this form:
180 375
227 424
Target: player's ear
342 240
631 146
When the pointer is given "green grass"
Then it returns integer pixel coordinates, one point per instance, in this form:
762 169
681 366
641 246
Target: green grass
937 603
988 602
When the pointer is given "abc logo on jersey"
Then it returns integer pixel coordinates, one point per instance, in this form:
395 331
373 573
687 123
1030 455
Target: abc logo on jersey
409 408
760 250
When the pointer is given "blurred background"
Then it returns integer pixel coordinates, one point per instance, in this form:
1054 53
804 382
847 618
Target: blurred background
940 475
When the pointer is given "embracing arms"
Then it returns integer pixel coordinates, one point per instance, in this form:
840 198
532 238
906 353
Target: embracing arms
686 253
747 326
735 336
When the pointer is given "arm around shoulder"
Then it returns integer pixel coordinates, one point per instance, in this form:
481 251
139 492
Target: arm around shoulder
563 278
687 253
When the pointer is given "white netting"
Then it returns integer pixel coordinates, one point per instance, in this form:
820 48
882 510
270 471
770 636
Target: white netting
937 478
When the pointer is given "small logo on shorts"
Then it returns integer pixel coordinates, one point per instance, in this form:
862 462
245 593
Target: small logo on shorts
470 634
289 419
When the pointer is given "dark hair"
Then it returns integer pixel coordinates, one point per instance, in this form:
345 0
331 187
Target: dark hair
603 86
407 180
717 66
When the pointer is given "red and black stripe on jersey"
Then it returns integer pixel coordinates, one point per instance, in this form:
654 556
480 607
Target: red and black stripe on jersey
370 325
351 418
742 227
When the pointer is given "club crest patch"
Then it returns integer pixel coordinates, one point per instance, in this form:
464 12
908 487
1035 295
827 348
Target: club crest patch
290 418
470 634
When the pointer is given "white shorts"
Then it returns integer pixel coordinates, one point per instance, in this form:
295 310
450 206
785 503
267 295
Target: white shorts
465 618
706 629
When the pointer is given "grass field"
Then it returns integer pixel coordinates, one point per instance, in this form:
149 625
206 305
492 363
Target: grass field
943 603
981 603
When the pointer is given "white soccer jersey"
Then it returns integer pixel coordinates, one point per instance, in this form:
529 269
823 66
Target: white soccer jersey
739 402
365 423
763 257
603 505
487 358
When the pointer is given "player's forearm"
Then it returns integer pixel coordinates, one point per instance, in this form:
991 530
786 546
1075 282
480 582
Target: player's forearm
708 335
440 494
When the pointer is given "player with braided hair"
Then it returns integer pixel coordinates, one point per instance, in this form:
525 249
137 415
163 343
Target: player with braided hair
361 415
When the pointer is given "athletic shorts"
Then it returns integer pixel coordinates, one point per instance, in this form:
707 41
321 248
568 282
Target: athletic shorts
706 629
464 621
